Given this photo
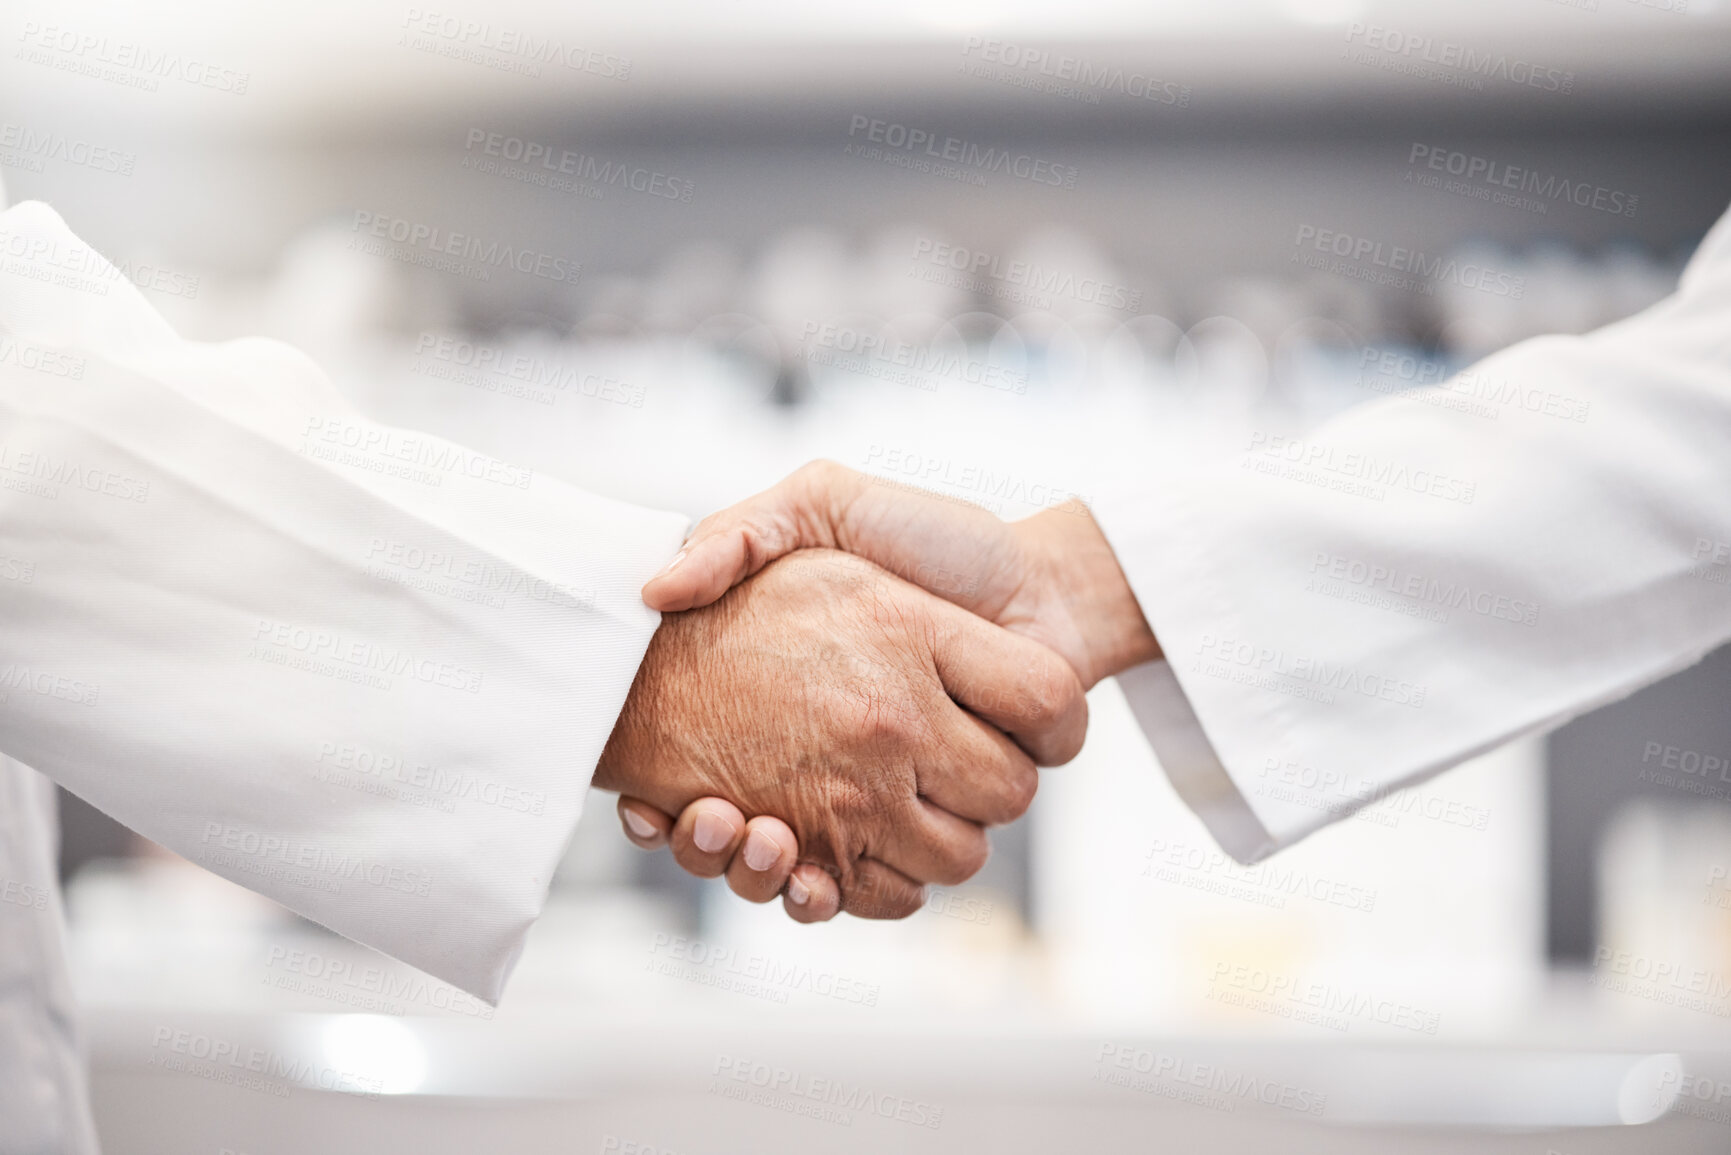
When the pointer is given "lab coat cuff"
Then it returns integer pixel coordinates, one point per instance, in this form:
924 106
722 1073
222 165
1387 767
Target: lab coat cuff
1146 532
1191 763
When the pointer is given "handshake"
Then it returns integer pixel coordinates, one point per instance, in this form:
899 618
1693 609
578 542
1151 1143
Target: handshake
854 680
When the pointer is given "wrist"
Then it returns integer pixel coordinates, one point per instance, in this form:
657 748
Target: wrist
612 769
631 745
1084 577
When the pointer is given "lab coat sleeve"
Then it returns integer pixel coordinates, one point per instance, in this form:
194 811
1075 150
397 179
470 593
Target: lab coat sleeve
361 670
1426 577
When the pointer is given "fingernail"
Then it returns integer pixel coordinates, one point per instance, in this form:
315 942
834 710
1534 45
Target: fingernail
711 833
638 825
670 566
761 852
798 892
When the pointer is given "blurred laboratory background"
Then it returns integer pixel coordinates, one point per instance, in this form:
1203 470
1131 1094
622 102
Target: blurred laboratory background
1011 253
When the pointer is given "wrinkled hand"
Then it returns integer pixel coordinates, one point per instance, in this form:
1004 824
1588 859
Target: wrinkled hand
882 726
1052 578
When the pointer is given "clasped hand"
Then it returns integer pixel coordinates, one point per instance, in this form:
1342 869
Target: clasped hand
853 680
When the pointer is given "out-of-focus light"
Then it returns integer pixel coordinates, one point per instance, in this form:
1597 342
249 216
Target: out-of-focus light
1649 1088
375 1053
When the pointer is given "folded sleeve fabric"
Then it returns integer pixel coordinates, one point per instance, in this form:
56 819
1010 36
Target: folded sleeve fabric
362 670
1426 577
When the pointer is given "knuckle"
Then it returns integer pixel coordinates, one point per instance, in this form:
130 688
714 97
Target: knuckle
883 729
1052 692
748 888
882 808
1017 787
965 861
875 894
883 726
708 525
821 472
851 802
695 861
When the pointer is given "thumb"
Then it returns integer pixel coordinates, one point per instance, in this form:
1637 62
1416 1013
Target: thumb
800 512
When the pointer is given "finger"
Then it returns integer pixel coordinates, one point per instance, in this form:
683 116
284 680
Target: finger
706 836
959 552
930 844
727 547
878 890
975 772
812 895
645 825
766 857
1018 685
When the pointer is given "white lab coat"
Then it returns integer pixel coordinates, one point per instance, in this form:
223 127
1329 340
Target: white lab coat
254 625
265 631
1429 576
43 1098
